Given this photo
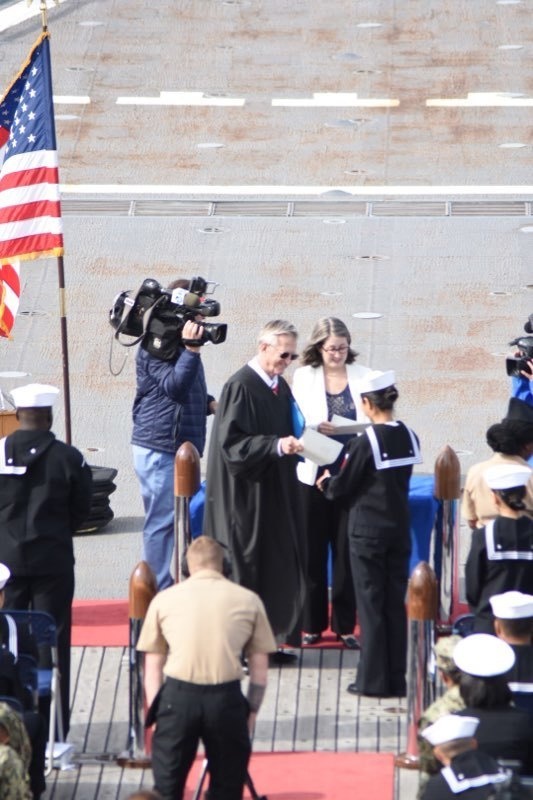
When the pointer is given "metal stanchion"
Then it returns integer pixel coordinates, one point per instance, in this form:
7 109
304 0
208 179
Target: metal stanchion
143 587
446 544
421 612
186 484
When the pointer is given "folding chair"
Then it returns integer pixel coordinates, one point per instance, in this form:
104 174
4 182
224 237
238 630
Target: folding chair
42 627
12 702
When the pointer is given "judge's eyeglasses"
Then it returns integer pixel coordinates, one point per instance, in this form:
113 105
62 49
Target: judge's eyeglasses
285 356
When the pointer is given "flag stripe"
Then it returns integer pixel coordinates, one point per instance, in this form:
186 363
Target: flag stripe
23 161
42 208
29 227
29 177
27 247
10 276
9 296
14 197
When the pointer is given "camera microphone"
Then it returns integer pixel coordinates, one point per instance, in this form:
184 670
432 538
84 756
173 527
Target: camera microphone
181 297
528 327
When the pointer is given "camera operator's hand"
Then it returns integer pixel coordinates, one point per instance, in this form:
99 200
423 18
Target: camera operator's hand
192 331
525 373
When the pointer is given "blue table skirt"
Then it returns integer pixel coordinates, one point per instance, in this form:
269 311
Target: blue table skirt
422 505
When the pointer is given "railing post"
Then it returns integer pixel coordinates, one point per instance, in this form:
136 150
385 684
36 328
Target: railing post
446 544
186 484
421 613
142 589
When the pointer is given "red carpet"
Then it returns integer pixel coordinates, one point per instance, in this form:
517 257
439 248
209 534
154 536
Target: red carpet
316 776
100 623
105 623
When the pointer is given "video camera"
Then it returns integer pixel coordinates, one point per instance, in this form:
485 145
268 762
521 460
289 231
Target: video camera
156 316
524 344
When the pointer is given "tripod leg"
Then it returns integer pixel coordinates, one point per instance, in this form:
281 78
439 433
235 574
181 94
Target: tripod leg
201 780
251 788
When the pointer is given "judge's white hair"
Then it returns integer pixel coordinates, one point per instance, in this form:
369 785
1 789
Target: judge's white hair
277 327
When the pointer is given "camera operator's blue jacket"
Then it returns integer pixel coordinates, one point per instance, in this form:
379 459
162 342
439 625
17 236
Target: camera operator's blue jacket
171 402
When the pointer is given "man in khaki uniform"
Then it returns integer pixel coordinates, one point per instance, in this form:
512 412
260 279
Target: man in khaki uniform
449 702
194 635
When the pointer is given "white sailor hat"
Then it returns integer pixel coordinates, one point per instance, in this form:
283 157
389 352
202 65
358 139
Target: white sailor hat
450 727
507 476
512 605
5 574
375 380
483 655
34 395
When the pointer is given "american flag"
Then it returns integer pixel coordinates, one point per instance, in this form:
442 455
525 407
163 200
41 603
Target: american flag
30 210
9 296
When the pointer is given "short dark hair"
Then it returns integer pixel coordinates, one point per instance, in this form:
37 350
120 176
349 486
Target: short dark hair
479 692
510 436
517 627
383 399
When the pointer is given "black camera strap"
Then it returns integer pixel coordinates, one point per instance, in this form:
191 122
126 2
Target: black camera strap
147 316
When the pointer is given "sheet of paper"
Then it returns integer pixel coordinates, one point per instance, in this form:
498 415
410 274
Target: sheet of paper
319 448
346 425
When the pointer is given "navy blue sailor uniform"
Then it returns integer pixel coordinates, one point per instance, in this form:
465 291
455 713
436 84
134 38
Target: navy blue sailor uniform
374 482
500 559
471 775
521 678
45 494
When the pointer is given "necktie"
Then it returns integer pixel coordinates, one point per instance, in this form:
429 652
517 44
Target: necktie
274 388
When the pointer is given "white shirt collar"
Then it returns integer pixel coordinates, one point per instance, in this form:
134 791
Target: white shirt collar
271 382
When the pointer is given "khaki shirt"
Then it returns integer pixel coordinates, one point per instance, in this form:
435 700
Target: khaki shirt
203 625
478 501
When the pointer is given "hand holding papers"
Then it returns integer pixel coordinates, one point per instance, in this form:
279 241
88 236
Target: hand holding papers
346 425
319 448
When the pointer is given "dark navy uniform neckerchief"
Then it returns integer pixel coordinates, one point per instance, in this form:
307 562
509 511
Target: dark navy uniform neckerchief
495 551
400 451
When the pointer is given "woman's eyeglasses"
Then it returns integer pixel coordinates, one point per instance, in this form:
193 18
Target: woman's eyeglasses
342 349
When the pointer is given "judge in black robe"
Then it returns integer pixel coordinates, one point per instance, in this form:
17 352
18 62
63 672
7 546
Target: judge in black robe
252 499
374 481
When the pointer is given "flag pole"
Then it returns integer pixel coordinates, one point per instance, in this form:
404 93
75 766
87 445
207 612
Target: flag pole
62 296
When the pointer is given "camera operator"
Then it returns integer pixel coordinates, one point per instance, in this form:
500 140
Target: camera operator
170 407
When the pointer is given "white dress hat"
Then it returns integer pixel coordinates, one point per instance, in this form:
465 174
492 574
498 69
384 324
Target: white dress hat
450 727
5 574
512 605
507 476
483 655
35 395
375 380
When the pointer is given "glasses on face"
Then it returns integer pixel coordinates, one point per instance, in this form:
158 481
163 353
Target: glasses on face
342 349
286 355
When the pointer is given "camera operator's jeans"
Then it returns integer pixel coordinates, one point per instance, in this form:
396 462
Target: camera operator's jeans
155 472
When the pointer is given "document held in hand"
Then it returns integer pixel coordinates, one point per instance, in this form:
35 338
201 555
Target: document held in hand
346 425
319 448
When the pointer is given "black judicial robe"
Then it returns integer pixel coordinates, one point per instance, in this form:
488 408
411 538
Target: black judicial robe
500 559
374 482
252 502
471 775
